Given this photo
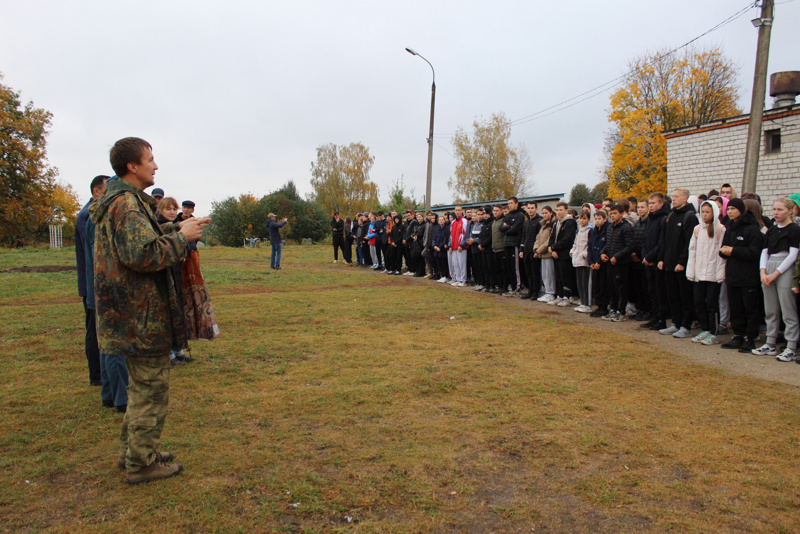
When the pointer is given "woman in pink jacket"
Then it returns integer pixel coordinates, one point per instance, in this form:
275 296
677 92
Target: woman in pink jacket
706 268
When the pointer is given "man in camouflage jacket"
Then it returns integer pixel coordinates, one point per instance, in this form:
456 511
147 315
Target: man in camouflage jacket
139 314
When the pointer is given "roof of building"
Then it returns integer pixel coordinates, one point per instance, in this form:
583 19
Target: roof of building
522 200
769 114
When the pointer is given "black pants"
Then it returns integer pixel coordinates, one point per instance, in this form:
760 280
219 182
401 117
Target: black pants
476 257
380 253
347 250
618 277
600 288
656 285
499 270
338 243
638 293
706 305
441 265
511 260
471 265
565 277
533 272
90 344
743 304
681 298
394 257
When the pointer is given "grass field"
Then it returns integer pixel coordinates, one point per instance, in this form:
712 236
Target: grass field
342 400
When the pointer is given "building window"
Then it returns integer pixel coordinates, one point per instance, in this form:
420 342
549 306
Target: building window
772 142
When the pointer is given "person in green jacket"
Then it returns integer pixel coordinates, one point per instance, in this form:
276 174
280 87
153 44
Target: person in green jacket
138 311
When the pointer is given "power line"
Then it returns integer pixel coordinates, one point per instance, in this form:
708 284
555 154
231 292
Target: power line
602 88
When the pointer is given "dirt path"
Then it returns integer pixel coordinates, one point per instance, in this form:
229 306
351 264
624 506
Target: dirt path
763 367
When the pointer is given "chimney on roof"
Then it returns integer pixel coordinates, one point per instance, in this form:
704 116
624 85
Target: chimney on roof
784 87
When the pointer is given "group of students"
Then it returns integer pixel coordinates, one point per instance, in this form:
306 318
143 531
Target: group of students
711 262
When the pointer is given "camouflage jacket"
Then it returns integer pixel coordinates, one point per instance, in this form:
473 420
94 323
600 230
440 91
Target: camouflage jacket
139 312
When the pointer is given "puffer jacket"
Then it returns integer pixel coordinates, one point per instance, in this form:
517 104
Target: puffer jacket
597 242
529 232
580 248
651 246
619 241
676 233
705 263
139 312
543 242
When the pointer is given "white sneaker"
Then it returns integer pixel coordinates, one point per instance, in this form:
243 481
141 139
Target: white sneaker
682 333
765 350
584 309
555 302
575 300
668 331
460 284
564 302
442 279
710 340
701 336
335 261
547 298
478 287
787 355
408 273
630 309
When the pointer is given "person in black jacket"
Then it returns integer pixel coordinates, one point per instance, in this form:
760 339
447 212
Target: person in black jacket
485 250
617 252
651 249
337 228
511 228
394 250
532 264
561 241
417 267
439 245
741 247
675 236
599 283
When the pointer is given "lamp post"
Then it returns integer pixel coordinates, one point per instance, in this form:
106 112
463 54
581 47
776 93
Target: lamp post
430 131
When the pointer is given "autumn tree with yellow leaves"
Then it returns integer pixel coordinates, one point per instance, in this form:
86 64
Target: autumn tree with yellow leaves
488 166
662 92
30 197
340 178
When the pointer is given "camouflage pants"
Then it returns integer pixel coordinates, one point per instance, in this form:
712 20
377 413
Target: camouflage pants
148 396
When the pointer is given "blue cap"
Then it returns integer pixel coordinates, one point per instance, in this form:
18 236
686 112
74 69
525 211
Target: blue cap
157 192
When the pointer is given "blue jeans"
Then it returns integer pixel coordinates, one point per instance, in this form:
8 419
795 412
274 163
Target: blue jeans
275 259
359 255
114 376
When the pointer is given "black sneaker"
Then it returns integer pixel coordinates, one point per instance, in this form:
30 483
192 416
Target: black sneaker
599 312
747 346
648 324
736 342
659 325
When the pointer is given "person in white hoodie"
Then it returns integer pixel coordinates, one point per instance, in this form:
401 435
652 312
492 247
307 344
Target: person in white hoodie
580 260
706 268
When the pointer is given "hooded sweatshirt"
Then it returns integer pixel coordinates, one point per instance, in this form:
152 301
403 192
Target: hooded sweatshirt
138 309
705 263
743 234
676 232
580 248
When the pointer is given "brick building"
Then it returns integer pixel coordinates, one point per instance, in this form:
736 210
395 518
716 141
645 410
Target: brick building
704 156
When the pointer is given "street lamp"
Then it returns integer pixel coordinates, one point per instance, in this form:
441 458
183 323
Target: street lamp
430 131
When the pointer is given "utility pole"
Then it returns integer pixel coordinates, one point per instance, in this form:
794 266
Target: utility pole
764 25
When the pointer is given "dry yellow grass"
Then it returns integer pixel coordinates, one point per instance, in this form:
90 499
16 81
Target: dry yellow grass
341 400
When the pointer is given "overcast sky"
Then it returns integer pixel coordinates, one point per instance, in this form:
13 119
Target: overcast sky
236 96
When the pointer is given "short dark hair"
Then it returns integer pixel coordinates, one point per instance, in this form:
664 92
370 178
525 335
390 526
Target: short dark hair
127 150
702 196
584 213
515 199
609 199
533 203
617 207
632 199
380 214
713 193
97 182
601 213
659 196
623 203
562 205
726 185
751 196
